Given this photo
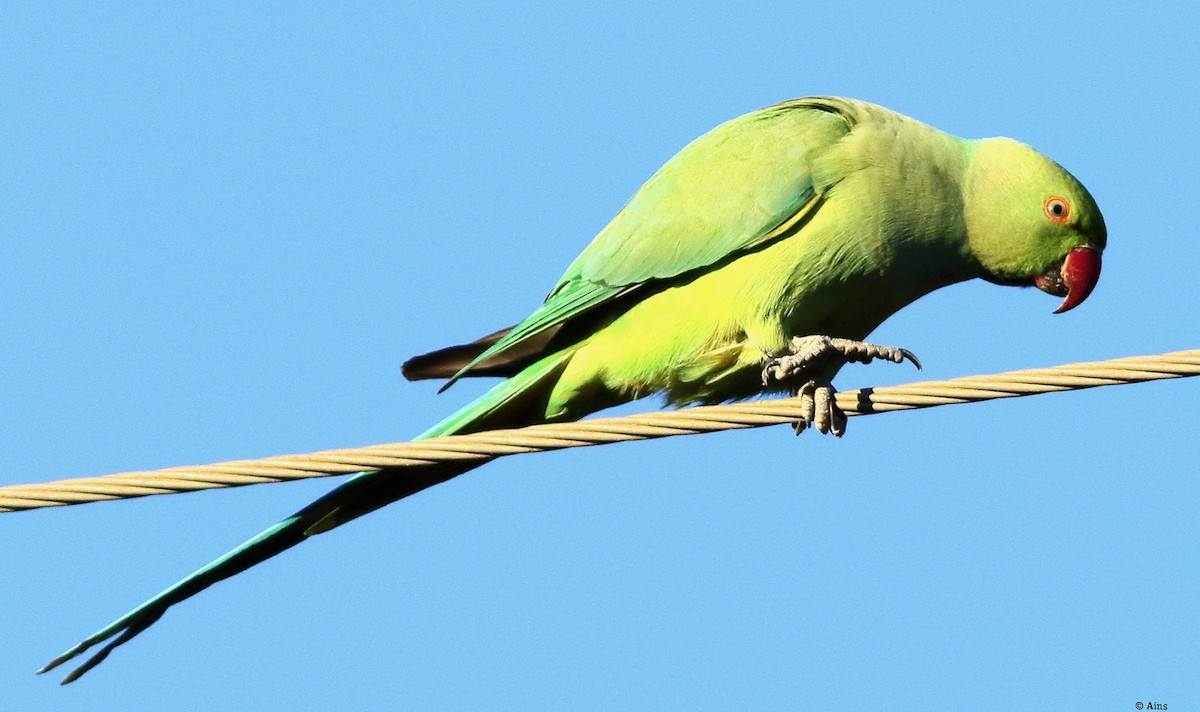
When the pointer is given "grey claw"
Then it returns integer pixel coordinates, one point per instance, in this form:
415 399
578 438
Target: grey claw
911 357
766 372
837 425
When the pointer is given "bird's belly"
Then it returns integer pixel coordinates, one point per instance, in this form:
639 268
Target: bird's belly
707 340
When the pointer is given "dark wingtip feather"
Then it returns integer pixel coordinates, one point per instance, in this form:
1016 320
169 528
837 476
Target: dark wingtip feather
420 368
455 362
445 363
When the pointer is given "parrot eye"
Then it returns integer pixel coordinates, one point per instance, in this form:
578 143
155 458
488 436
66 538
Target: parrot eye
1058 209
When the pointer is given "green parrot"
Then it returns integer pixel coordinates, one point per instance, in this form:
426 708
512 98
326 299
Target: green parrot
754 261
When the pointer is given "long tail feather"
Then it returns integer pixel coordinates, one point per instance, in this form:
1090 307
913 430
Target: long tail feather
514 402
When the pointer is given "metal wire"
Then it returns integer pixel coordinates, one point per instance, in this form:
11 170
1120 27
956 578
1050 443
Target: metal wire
498 443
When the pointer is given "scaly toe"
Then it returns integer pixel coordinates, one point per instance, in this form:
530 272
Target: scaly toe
821 398
819 409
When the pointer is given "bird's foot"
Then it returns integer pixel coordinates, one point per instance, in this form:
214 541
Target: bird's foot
819 408
808 355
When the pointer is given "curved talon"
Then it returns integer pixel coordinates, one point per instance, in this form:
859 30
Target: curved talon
776 369
911 357
838 418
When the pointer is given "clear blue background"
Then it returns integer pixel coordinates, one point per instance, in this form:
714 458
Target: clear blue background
223 229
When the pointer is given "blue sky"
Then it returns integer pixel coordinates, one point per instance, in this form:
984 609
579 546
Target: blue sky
223 229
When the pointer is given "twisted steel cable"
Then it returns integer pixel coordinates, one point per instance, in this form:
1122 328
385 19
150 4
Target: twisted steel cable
598 431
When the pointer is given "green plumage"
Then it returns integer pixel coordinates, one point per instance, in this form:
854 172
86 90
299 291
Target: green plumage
815 216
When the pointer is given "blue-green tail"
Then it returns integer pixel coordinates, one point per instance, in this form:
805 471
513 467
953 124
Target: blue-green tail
518 401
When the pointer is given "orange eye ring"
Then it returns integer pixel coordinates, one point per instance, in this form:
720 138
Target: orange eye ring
1057 209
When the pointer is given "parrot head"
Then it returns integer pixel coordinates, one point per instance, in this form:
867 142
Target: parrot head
1031 223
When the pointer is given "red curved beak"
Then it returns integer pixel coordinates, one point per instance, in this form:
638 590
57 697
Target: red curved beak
1074 279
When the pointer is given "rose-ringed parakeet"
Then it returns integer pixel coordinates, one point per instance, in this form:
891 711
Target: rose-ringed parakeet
753 261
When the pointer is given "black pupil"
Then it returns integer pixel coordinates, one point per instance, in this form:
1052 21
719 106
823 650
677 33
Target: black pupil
1057 208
